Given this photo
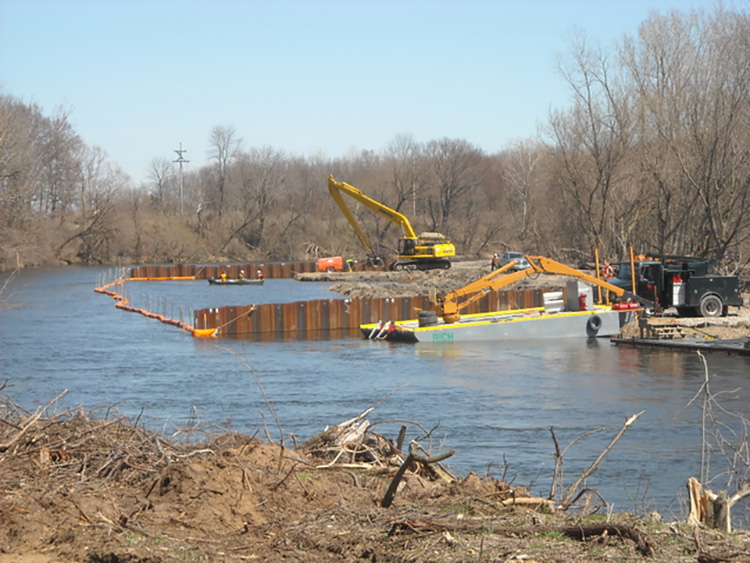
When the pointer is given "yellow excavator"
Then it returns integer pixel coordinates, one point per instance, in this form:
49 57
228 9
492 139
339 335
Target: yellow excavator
449 306
426 251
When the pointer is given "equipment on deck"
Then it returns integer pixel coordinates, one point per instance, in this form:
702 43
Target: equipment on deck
449 306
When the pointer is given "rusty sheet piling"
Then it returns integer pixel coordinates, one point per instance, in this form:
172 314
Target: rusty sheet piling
322 318
274 270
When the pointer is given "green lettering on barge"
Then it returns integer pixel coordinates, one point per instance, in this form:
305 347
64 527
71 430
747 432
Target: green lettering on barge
443 337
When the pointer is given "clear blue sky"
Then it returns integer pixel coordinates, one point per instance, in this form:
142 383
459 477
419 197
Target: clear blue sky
317 77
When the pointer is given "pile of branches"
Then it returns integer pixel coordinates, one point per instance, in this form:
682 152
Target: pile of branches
79 446
353 445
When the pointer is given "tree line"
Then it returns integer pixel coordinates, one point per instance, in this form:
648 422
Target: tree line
653 151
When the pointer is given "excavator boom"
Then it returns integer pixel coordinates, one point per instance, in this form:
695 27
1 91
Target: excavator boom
337 188
450 306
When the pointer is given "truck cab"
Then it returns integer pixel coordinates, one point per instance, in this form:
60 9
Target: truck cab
689 284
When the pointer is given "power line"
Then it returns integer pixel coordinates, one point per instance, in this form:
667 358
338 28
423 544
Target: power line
180 161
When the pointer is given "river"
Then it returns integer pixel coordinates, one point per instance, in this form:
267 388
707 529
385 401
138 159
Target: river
493 402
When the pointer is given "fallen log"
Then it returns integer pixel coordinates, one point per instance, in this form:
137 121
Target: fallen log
581 533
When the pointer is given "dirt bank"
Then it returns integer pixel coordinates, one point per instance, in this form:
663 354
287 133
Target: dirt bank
400 284
74 487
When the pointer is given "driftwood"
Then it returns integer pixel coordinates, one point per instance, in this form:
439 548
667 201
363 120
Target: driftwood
410 459
566 501
527 501
350 430
710 509
603 530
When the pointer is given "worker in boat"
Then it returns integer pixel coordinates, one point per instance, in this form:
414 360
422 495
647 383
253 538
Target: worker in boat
607 270
242 275
259 275
223 276
495 262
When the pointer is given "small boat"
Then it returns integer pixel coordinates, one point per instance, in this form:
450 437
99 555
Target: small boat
518 324
235 281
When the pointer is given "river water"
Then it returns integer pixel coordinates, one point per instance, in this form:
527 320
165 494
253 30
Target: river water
493 402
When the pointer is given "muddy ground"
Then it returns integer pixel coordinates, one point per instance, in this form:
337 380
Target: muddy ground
96 487
369 284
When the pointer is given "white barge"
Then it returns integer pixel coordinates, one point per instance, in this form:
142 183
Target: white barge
568 314
519 324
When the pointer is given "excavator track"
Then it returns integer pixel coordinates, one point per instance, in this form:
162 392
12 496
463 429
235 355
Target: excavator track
403 266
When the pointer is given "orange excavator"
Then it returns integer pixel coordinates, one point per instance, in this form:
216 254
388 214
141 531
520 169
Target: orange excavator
449 306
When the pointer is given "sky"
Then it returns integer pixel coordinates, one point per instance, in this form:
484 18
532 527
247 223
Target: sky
312 78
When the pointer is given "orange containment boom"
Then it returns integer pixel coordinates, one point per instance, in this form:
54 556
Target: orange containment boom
204 332
122 303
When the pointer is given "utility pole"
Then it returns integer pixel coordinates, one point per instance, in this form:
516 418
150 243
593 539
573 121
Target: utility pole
180 160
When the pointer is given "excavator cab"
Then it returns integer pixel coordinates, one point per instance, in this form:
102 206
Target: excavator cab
407 246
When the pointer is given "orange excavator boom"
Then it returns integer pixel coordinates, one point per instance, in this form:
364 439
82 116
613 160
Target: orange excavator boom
449 306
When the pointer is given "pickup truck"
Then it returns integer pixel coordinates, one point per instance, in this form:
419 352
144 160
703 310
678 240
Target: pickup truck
519 257
687 283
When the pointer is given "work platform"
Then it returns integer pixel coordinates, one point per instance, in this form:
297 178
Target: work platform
738 346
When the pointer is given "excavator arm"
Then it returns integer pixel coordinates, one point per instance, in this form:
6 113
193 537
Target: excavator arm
336 190
449 307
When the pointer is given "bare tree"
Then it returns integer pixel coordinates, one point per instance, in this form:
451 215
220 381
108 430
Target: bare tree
403 155
162 177
93 225
521 174
454 166
58 145
591 141
261 175
693 81
225 145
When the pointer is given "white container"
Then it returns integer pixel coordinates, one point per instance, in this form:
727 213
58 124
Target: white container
575 290
553 302
678 294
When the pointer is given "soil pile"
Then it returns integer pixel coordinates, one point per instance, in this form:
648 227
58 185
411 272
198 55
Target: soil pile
370 284
74 487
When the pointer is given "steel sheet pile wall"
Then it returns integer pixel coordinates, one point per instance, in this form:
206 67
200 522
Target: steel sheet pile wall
202 272
323 318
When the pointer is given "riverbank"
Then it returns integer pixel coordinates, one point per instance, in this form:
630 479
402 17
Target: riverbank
76 487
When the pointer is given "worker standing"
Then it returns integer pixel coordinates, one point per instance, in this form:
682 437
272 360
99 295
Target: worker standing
495 262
